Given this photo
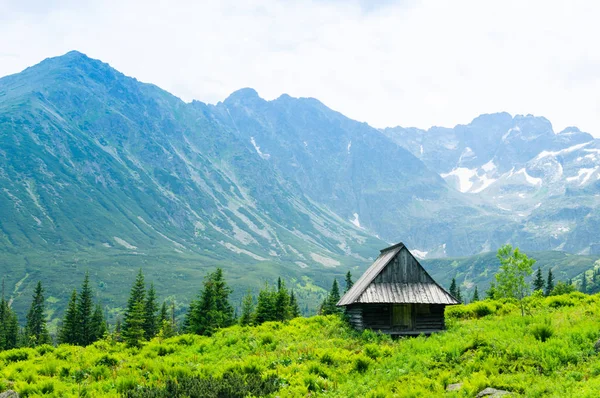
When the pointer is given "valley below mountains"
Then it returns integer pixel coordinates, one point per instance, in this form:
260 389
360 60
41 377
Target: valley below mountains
102 173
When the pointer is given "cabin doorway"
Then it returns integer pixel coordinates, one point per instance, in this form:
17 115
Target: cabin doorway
402 317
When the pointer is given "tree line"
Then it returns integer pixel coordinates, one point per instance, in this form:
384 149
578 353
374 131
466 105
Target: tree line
144 318
510 280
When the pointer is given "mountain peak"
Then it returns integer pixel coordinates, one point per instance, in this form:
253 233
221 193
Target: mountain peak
243 94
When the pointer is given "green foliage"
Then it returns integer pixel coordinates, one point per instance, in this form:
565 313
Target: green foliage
475 295
9 326
562 288
69 331
36 331
514 268
85 333
212 309
348 281
150 313
247 310
538 281
542 332
329 306
549 283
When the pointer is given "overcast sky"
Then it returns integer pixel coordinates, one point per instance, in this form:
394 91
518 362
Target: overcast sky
388 63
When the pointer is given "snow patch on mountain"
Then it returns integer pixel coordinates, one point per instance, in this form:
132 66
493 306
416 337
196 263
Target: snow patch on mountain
531 180
585 173
464 176
265 156
565 151
489 166
419 254
355 220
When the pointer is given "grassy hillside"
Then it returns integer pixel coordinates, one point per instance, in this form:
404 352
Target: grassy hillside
487 344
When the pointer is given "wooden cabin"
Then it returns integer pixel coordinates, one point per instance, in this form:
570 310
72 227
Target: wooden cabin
397 296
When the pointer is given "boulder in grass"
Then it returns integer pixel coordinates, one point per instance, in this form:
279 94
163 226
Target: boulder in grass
454 387
492 392
9 394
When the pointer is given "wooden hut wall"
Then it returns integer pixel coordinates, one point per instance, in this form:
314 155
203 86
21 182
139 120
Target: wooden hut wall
403 269
355 316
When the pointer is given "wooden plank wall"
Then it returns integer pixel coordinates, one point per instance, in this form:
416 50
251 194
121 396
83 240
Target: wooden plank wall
403 269
377 317
355 316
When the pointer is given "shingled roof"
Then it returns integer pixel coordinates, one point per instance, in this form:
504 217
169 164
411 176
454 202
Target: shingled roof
396 277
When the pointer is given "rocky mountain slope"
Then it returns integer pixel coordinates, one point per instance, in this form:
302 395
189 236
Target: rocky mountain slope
546 182
102 173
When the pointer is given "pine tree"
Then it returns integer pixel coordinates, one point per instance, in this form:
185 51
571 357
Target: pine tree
98 324
294 308
150 319
69 332
549 283
459 294
164 313
134 333
212 309
134 317
330 304
247 310
584 287
282 302
538 282
453 290
131 316
85 308
265 306
491 292
349 282
36 329
118 332
224 310
9 326
475 295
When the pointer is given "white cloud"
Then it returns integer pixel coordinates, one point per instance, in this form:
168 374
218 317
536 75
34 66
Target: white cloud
388 63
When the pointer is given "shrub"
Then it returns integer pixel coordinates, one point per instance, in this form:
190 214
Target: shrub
372 351
327 359
107 360
482 308
542 332
16 355
361 364
44 349
560 301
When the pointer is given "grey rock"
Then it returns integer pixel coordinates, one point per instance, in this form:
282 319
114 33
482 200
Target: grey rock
9 394
454 387
597 346
492 392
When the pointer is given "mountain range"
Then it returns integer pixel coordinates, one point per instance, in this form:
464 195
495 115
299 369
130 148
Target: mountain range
102 173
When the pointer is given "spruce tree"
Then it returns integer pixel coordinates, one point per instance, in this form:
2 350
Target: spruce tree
549 283
132 317
164 313
69 331
224 310
453 291
491 292
538 281
475 295
98 324
294 308
134 333
36 329
85 308
265 306
118 332
9 326
459 294
212 309
330 304
282 302
151 307
247 310
584 287
349 282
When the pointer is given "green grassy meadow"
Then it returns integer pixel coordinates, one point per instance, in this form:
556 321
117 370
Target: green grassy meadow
548 353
